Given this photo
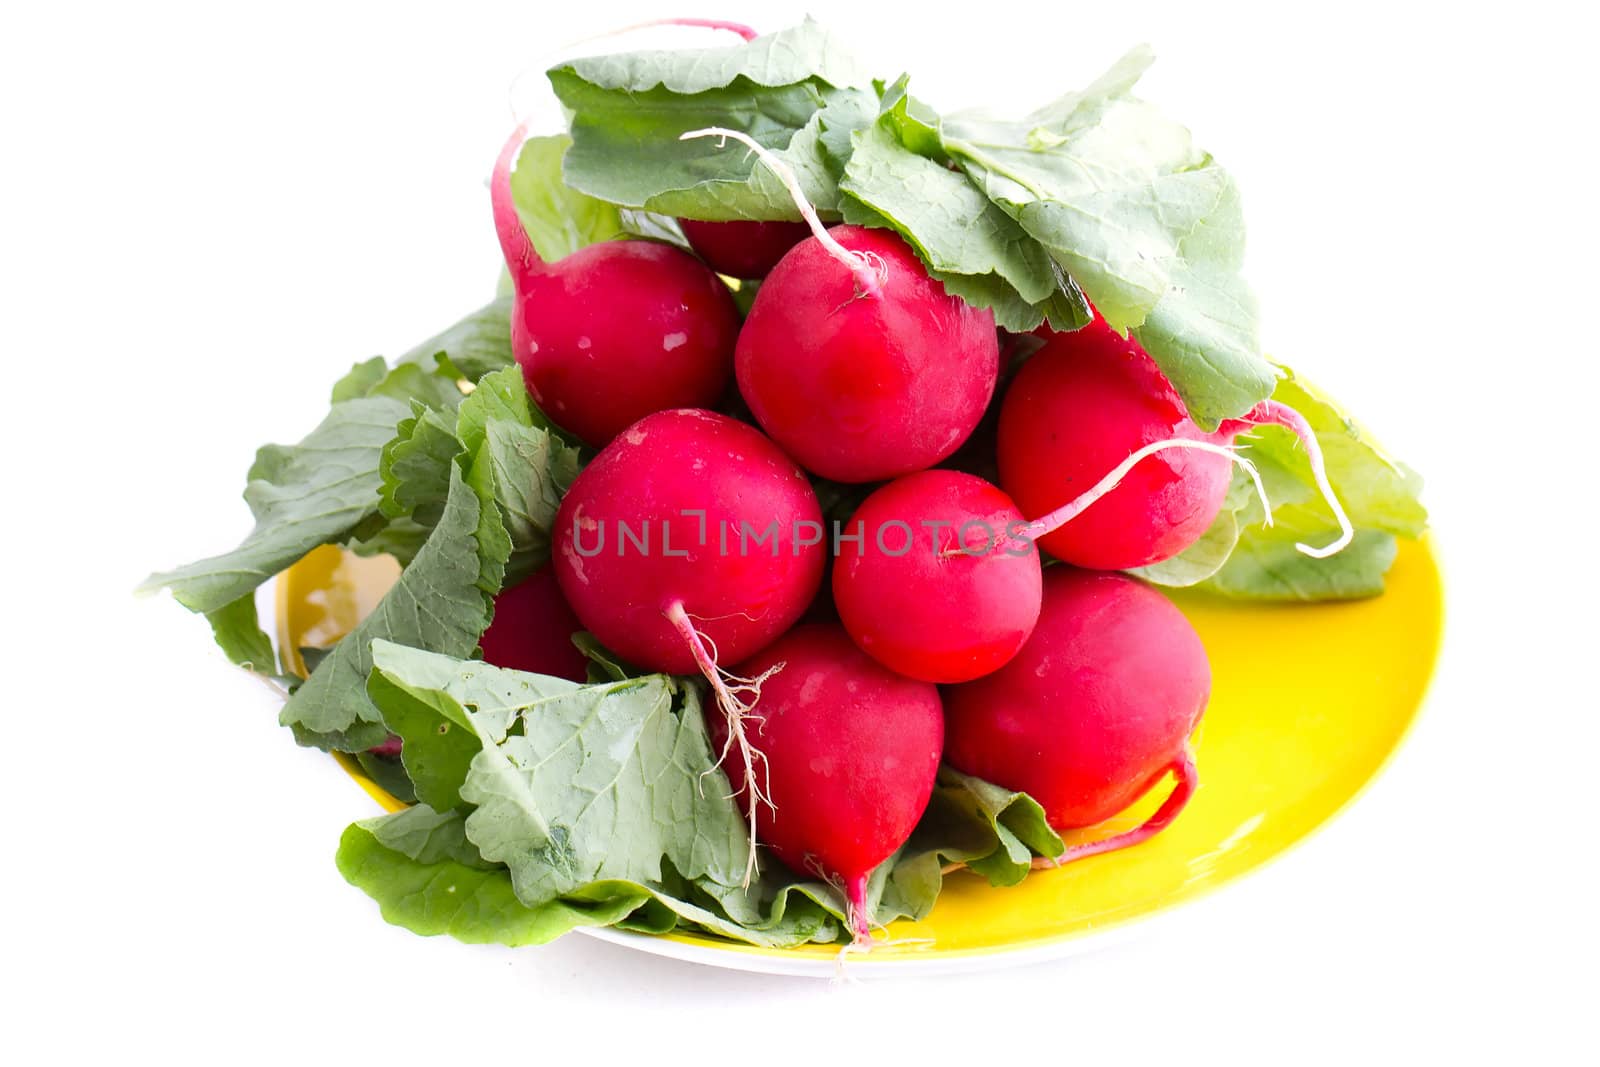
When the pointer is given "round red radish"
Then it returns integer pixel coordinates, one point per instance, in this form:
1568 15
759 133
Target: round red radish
742 249
532 630
867 370
850 750
690 542
616 330
928 590
1094 710
1076 409
1097 445
655 520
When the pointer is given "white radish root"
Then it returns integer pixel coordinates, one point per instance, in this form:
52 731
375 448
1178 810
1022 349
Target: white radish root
1273 413
736 698
1049 523
868 270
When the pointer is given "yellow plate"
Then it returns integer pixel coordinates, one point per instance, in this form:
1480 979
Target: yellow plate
1308 703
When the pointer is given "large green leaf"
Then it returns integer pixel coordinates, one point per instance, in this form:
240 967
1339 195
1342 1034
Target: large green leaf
627 149
807 53
302 496
785 90
1146 223
442 601
976 249
426 877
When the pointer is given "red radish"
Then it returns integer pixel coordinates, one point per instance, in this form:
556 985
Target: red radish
924 591
853 358
688 541
616 330
1087 401
1095 709
742 249
532 630
851 752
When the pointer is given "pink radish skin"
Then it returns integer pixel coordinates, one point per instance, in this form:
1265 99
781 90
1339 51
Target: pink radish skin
679 481
1093 712
743 249
851 752
532 630
861 380
663 337
948 608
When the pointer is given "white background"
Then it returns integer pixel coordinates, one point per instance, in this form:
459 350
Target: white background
209 212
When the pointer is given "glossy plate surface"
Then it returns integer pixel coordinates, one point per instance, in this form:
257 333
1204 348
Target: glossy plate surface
1308 703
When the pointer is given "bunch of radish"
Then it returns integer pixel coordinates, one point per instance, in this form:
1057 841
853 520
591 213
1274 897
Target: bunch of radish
693 542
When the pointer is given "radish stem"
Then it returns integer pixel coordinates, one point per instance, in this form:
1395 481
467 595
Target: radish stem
1188 782
868 276
521 257
740 28
855 893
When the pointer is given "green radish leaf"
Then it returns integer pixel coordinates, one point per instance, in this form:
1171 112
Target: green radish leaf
401 538
993 831
473 347
361 380
526 472
1200 560
653 227
559 220
389 774
438 738
805 54
1267 566
325 489
950 223
1145 223
238 633
443 601
549 800
790 91
915 124
427 878
410 382
507 458
626 148
415 466
1378 491
304 495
